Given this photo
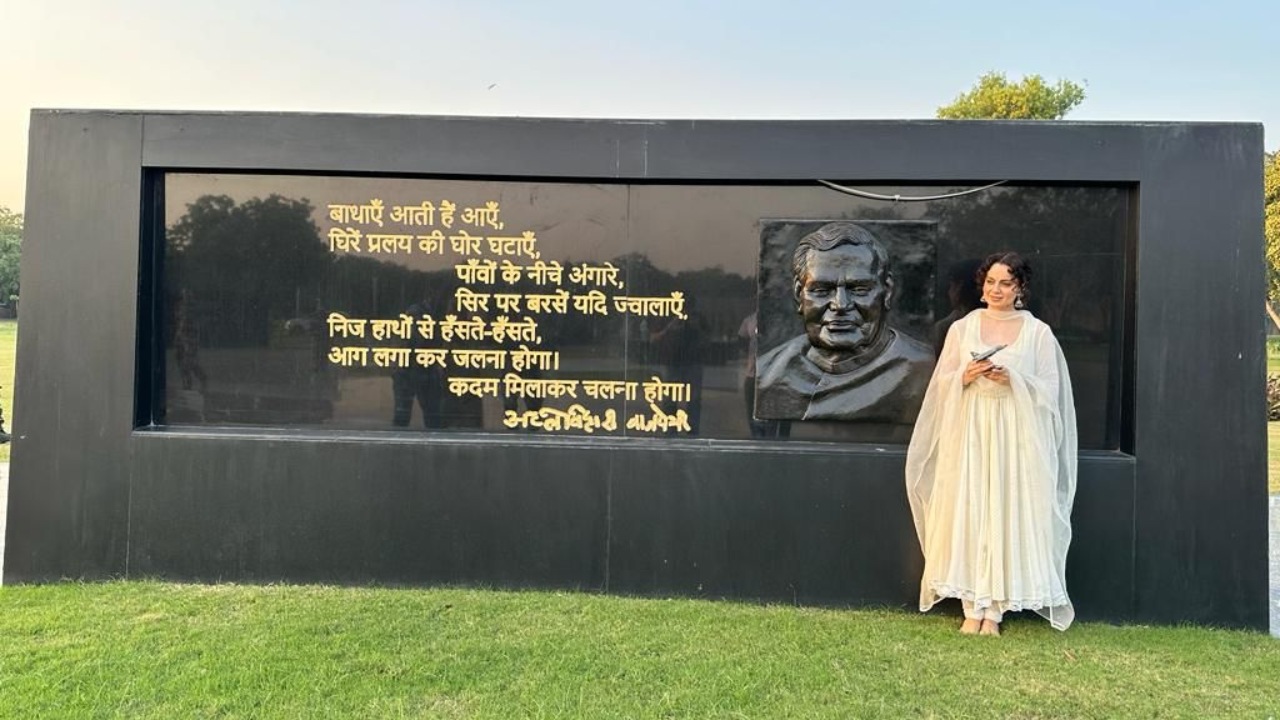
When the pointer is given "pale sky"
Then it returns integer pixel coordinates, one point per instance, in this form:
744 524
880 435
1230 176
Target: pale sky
1148 60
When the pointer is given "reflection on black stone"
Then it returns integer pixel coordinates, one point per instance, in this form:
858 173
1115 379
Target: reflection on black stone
423 386
233 273
680 347
747 332
963 294
250 280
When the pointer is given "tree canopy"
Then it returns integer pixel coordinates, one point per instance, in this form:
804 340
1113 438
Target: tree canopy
995 97
243 265
10 251
1271 205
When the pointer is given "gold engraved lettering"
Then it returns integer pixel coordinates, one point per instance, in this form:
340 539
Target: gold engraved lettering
477 271
426 357
516 386
672 305
424 214
480 359
593 303
610 389
349 356
508 302
446 213
401 327
632 305
391 357
525 245
340 324
504 328
390 244
462 358
655 390
601 275
451 327
486 216
433 243
660 422
369 213
426 327
373 211
468 301
557 303
540 359
575 417
513 385
341 240
559 388
494 359
464 243
510 273
480 387
542 273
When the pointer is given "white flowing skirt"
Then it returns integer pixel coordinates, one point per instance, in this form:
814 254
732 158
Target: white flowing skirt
990 522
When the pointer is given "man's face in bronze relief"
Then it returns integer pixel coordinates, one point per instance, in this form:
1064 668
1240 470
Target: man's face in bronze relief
842 298
849 364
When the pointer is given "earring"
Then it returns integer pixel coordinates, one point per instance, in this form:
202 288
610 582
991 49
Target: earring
1017 302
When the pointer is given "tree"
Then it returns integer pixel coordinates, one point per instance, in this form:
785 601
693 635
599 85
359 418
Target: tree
1271 227
243 266
994 97
10 251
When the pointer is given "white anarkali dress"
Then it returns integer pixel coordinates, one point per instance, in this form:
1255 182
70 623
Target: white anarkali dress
991 475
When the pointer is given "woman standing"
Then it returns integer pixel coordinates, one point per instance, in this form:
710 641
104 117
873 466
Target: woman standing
991 469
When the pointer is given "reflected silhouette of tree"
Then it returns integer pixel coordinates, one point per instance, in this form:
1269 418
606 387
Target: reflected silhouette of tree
245 265
1073 237
723 297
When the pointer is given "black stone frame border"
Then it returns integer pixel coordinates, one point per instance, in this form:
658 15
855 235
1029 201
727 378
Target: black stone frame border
1175 531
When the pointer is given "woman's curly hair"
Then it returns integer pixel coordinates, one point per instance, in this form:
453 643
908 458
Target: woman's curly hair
1019 268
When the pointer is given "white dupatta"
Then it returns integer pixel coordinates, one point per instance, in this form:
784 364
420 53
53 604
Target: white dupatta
1042 398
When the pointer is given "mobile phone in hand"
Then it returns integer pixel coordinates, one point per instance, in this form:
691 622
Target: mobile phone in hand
987 353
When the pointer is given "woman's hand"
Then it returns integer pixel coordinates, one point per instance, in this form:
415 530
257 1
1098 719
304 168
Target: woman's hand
985 368
976 369
998 374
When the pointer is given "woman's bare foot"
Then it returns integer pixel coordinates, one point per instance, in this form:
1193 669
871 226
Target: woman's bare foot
970 626
990 627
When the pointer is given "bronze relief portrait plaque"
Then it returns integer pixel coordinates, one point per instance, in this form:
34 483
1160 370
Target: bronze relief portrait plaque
845 310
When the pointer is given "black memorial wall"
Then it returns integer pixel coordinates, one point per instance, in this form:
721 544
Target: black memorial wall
234 362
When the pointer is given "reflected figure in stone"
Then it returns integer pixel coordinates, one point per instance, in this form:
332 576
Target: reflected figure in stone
425 386
963 297
186 342
748 332
849 364
679 345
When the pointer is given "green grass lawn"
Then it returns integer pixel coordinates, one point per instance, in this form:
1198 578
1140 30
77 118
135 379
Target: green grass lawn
151 650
